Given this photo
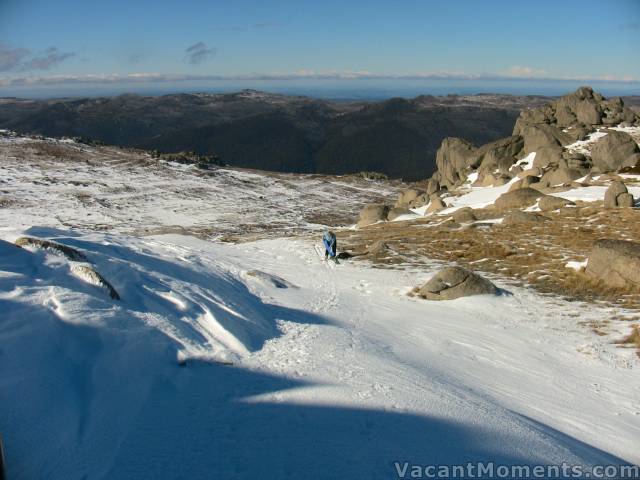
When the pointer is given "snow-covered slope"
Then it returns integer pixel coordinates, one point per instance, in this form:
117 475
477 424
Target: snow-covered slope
256 359
126 191
336 372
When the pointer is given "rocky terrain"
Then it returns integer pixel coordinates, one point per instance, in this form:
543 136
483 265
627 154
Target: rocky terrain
151 300
275 132
553 206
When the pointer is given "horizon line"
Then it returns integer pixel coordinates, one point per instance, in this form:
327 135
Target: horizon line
151 78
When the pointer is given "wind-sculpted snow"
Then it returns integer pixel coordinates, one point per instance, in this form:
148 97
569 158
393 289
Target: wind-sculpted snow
335 373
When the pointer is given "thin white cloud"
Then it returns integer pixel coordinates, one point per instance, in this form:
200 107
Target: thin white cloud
522 71
144 77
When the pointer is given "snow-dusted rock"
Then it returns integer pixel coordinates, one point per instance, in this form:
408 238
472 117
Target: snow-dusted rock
614 151
55 247
456 282
89 274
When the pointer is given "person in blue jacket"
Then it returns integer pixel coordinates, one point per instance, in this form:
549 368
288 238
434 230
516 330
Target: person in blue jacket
330 244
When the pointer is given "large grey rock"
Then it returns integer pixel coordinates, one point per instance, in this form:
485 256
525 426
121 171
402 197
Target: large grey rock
397 212
456 282
615 151
626 200
521 198
435 205
525 182
373 213
549 203
560 176
432 186
406 197
518 218
576 160
589 112
545 156
488 179
464 215
531 172
617 195
616 263
453 157
499 155
536 136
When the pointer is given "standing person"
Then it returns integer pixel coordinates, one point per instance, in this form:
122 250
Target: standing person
330 244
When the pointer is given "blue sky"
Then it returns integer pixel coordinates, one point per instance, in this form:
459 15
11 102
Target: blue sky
73 42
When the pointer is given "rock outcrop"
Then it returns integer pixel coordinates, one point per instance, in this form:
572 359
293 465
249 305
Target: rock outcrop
521 198
397 212
617 195
456 282
582 109
454 156
436 204
90 275
549 203
547 130
543 135
69 252
407 198
616 263
464 215
615 151
518 218
373 213
560 176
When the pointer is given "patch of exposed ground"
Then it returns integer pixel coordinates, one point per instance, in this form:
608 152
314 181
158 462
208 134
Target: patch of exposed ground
526 254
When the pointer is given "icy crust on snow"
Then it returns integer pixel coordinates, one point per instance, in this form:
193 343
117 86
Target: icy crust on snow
336 372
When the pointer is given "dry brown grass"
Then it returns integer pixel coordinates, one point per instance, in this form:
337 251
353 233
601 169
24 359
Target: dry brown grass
526 254
632 340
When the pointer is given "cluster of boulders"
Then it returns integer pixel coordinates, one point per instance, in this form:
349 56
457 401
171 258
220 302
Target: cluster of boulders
547 131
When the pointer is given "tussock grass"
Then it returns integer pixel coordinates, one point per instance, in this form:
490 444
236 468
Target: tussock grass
632 340
525 254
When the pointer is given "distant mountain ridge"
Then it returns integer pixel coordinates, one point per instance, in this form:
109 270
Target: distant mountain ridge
398 137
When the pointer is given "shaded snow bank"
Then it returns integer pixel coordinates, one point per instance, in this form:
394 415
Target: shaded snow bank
337 374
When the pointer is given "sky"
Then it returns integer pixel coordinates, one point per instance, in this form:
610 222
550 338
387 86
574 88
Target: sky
124 45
